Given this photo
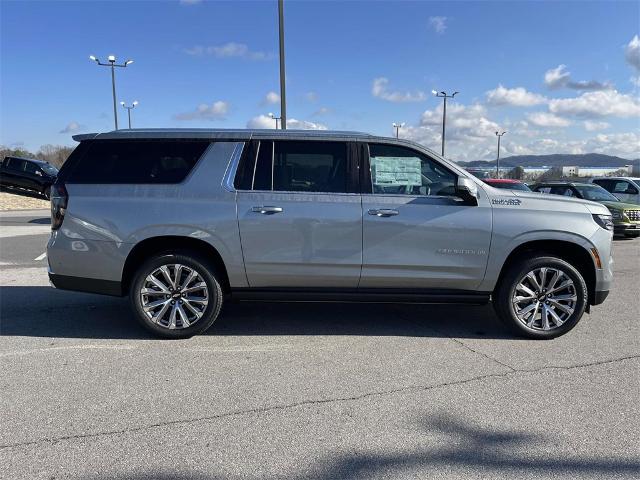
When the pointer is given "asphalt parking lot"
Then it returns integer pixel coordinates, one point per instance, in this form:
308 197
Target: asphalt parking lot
308 391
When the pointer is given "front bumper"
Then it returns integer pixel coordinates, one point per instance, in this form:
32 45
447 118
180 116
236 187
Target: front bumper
625 228
599 297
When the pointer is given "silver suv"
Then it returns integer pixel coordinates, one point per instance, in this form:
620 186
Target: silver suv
181 220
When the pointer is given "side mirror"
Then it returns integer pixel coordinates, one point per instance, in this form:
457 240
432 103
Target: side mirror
467 190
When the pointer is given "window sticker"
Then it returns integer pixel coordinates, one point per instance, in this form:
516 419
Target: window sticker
396 171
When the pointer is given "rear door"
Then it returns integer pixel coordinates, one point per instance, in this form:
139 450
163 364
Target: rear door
15 173
416 233
300 214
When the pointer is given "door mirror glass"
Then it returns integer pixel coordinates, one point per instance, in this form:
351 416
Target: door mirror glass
467 190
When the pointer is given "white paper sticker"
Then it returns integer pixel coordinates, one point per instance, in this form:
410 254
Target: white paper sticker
396 171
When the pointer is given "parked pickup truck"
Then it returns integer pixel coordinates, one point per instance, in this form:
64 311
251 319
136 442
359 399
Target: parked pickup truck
183 220
28 174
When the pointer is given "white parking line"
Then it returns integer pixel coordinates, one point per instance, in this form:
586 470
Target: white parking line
41 257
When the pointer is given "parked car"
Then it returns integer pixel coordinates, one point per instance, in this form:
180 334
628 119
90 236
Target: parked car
182 220
626 216
507 183
28 174
627 189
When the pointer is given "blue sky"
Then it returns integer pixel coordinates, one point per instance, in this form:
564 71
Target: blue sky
559 77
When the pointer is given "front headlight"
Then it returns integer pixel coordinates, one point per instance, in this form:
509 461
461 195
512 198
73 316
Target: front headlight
605 221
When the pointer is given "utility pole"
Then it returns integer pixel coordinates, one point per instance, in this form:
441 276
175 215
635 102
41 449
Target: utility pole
499 135
283 94
398 126
444 96
112 64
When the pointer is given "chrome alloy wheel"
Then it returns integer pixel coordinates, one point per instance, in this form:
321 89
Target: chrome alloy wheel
174 296
544 298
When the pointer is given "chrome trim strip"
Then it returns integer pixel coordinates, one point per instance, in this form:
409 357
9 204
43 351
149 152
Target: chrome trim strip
230 174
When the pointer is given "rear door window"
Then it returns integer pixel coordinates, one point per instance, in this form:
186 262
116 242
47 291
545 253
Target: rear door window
137 161
297 166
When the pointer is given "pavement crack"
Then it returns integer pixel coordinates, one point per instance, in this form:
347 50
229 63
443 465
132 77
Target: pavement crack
478 352
306 403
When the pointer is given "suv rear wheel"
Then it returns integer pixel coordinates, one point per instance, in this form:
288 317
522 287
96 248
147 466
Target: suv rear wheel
176 295
542 297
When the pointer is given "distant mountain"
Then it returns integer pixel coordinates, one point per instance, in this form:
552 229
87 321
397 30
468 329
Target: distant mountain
556 160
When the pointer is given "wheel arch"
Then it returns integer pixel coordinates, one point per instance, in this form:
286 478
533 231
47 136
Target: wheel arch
149 247
571 252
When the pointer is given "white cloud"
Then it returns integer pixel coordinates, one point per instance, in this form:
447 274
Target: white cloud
72 127
545 119
304 125
591 126
311 96
439 24
266 122
379 90
228 50
271 98
559 77
597 104
518 97
321 111
216 111
632 52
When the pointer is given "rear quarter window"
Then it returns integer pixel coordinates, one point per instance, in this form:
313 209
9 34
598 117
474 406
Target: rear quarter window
135 161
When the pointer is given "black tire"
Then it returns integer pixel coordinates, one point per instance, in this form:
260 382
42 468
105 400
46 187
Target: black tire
207 273
504 292
47 192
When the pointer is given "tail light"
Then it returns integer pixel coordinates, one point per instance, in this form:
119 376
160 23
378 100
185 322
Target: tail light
59 198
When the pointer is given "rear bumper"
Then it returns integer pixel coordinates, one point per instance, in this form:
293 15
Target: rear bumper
88 285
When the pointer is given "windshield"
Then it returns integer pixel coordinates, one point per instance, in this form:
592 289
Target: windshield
595 193
510 186
49 169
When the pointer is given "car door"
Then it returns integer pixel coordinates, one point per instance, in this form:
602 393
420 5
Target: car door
32 176
416 233
15 173
625 191
300 214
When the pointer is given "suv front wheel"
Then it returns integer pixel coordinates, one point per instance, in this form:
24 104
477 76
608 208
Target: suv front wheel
542 297
176 295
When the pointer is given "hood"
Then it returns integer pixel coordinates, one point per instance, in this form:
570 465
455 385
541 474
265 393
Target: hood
620 206
593 207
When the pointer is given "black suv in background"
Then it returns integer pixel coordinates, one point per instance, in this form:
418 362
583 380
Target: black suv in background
27 173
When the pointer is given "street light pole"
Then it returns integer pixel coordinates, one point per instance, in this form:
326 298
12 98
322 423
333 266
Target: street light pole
499 135
444 96
129 108
275 118
398 126
112 64
283 94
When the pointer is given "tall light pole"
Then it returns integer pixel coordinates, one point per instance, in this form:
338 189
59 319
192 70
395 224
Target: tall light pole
398 126
283 93
275 118
129 108
499 135
112 63
444 96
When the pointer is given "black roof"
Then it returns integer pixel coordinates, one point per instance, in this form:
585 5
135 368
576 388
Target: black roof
34 160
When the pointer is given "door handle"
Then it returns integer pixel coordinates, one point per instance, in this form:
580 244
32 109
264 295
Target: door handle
267 210
383 212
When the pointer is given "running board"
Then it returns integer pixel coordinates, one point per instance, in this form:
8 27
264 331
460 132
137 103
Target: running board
370 295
